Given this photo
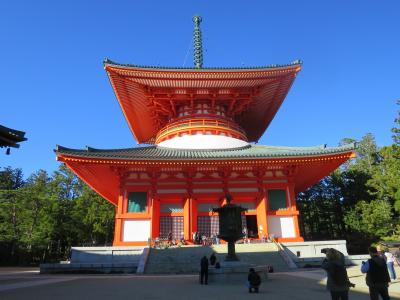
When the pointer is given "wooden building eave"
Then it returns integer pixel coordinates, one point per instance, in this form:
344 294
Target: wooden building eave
147 95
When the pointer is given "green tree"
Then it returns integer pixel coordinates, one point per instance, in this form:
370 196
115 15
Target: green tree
371 218
96 216
11 184
37 224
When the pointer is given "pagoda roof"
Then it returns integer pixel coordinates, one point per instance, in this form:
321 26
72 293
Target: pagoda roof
99 168
162 153
11 137
148 95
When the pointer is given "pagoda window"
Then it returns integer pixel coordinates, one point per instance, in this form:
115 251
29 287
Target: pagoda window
137 202
277 199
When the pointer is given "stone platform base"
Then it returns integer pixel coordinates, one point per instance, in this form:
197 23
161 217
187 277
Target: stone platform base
308 254
100 260
80 268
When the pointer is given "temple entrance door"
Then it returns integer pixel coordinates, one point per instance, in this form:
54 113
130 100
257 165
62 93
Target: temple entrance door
171 224
208 226
252 227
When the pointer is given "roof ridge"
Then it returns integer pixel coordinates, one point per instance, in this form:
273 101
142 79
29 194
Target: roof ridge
92 149
317 147
107 61
350 146
247 152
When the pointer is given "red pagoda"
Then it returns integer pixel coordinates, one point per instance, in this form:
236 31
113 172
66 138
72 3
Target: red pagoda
201 124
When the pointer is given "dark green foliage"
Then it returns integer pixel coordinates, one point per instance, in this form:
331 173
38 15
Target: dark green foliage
42 217
359 202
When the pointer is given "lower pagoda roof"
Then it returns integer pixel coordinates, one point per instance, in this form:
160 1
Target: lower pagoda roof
162 153
102 169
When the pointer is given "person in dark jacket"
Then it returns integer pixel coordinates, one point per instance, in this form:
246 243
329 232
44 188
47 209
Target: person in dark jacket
338 282
204 270
377 275
253 281
213 259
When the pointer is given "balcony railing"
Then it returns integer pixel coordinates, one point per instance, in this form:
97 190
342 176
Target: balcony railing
189 126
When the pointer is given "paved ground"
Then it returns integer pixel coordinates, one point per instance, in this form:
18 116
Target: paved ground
304 284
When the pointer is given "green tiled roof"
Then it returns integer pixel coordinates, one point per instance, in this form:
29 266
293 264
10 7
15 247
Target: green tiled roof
11 137
106 61
161 153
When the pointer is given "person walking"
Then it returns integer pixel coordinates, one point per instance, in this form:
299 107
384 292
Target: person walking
204 270
338 283
390 263
377 275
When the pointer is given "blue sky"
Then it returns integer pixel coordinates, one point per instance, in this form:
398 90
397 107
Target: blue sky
53 85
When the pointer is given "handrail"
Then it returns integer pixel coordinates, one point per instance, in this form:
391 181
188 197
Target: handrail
200 123
290 263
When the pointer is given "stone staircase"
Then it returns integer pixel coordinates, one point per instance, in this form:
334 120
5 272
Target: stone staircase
186 259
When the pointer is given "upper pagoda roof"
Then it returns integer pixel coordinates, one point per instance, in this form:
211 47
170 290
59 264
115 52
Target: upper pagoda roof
149 95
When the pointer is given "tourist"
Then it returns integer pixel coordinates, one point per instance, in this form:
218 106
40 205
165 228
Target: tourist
194 237
169 238
253 281
390 263
377 275
204 270
204 240
250 234
338 282
397 256
213 259
264 238
245 235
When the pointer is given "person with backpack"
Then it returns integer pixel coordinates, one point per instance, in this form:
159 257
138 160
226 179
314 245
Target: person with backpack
377 275
253 281
338 283
213 259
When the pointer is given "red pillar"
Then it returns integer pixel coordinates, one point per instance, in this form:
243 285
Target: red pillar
118 220
262 217
155 218
186 218
293 208
193 219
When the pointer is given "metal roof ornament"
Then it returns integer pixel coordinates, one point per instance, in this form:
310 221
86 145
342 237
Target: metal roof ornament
198 47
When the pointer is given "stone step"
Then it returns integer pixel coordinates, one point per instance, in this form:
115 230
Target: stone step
186 259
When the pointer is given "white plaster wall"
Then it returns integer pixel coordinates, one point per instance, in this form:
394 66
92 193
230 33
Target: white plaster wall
201 141
287 227
281 226
136 230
